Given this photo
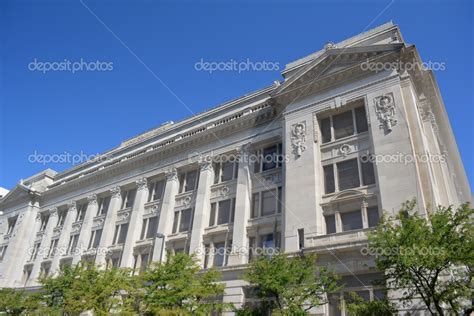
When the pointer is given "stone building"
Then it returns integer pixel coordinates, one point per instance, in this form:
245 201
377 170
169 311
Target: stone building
308 163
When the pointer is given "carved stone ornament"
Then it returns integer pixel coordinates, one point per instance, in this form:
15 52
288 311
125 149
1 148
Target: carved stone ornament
172 174
298 138
116 192
225 191
206 165
385 109
142 184
53 212
72 206
345 150
187 200
92 199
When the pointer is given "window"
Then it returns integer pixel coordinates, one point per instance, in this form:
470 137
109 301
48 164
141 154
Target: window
182 220
11 224
34 253
3 250
45 271
367 167
144 261
351 220
329 185
361 119
280 200
224 210
325 127
61 217
269 243
44 222
188 181
149 227
103 205
348 174
27 275
343 125
53 247
73 240
373 216
95 239
156 190
219 254
268 202
81 212
128 198
225 171
300 238
120 234
206 255
255 204
268 158
252 247
330 224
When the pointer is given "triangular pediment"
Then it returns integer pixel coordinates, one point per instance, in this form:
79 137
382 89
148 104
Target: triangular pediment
17 193
333 61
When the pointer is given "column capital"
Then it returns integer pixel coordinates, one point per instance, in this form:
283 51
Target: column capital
205 165
53 212
142 184
171 174
116 192
72 206
92 199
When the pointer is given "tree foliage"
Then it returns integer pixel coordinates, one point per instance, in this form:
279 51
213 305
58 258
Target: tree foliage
431 258
357 306
292 284
177 287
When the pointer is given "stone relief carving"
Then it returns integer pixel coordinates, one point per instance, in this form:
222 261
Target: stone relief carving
172 174
142 184
92 199
385 110
72 206
98 222
225 191
298 138
345 149
206 164
53 212
123 216
76 227
116 192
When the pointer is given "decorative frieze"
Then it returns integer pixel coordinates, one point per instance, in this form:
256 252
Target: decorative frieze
298 138
385 110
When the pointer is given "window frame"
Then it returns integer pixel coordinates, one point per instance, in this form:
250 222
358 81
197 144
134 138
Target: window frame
356 124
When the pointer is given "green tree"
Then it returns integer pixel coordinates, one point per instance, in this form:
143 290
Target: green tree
431 257
357 306
178 287
294 285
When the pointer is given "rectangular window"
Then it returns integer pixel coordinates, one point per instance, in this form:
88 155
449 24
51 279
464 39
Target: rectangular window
252 246
120 234
81 212
255 205
73 240
156 190
128 198
368 176
152 227
185 223
35 251
280 200
224 212
175 222
300 238
330 224
329 185
232 211
144 262
97 235
269 158
11 224
361 119
3 250
373 216
268 202
227 171
258 161
53 247
103 205
343 125
219 253
325 127
351 220
206 256
348 174
44 222
191 179
212 218
61 217
143 232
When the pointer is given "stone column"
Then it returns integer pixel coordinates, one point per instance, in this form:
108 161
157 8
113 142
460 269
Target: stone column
135 224
363 211
109 225
45 243
86 227
165 223
65 235
239 253
201 209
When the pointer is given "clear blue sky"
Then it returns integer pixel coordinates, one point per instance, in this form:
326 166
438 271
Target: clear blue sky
92 112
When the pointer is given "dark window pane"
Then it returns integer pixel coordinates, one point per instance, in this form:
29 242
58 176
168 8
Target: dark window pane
329 185
181 182
175 222
325 130
98 235
300 238
380 294
191 180
256 163
152 227
269 158
212 218
351 220
158 189
330 224
219 252
280 200
117 228
224 212
131 197
104 205
255 205
268 202
343 125
373 216
361 119
348 174
123 233
142 234
368 176
185 223
217 169
227 171
232 211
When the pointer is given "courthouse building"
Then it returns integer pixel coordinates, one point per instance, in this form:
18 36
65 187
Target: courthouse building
307 164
